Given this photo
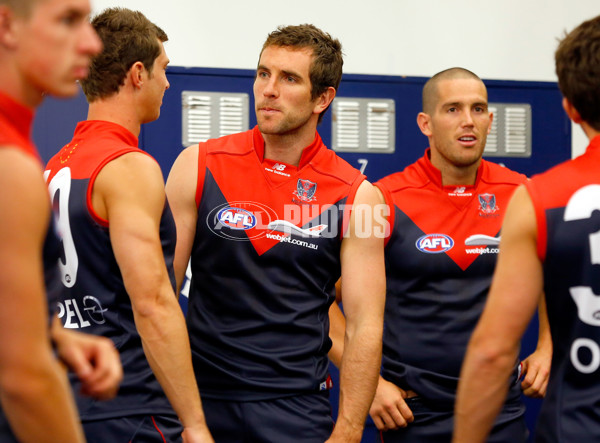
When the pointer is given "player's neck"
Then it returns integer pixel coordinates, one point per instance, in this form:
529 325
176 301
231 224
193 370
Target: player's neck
111 111
459 176
17 87
287 148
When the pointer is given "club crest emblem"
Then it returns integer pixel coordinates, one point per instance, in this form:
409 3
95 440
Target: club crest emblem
305 191
487 205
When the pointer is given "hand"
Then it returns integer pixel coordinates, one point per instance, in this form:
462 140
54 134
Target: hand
93 359
389 411
536 368
199 435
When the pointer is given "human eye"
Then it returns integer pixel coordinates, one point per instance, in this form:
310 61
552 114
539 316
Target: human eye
72 18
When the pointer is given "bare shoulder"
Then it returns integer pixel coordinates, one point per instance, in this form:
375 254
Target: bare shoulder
134 170
24 198
368 194
20 171
186 163
181 183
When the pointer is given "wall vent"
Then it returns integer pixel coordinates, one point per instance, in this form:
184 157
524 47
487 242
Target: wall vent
207 115
363 125
510 135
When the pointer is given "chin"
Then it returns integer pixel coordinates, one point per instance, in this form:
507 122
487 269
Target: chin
63 91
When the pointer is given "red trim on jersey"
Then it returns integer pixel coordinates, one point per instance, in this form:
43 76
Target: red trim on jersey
392 213
540 217
350 204
243 151
90 149
201 173
15 126
563 180
418 192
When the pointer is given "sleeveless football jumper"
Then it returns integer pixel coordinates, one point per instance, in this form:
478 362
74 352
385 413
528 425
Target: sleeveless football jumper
93 296
567 207
265 260
440 257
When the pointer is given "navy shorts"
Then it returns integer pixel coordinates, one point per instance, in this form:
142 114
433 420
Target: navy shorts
434 426
297 419
134 429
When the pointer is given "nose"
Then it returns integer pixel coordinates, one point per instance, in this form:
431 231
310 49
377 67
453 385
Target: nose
270 87
90 43
468 119
168 85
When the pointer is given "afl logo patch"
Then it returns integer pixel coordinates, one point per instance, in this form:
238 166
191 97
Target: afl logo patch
240 220
236 218
434 243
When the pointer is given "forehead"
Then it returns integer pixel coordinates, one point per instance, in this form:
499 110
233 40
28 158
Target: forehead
51 8
285 58
461 90
162 57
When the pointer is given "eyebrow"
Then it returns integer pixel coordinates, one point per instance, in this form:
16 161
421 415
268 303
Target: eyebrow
458 104
285 72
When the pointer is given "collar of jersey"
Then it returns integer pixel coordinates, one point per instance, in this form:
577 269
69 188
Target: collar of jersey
435 176
307 153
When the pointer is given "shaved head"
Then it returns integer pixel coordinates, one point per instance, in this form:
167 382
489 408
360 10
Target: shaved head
430 90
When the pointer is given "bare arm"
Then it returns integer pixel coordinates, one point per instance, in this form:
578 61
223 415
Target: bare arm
34 391
130 189
388 409
181 192
494 345
363 280
536 367
337 328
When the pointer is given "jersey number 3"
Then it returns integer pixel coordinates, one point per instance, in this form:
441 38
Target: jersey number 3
60 188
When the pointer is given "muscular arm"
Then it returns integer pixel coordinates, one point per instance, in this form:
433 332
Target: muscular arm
363 280
337 328
130 191
388 409
536 367
494 345
34 391
181 192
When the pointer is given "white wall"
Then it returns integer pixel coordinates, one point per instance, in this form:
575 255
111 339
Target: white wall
503 39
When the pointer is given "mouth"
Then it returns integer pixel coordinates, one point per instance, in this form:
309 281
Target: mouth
267 109
81 72
467 140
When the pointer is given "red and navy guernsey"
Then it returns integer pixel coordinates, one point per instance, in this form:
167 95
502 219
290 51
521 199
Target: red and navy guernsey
265 260
93 298
567 206
440 257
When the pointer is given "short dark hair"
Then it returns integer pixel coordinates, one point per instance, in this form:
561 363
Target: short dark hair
430 95
128 37
326 67
578 69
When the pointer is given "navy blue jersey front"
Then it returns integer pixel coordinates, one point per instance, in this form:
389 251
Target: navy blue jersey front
265 260
440 257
